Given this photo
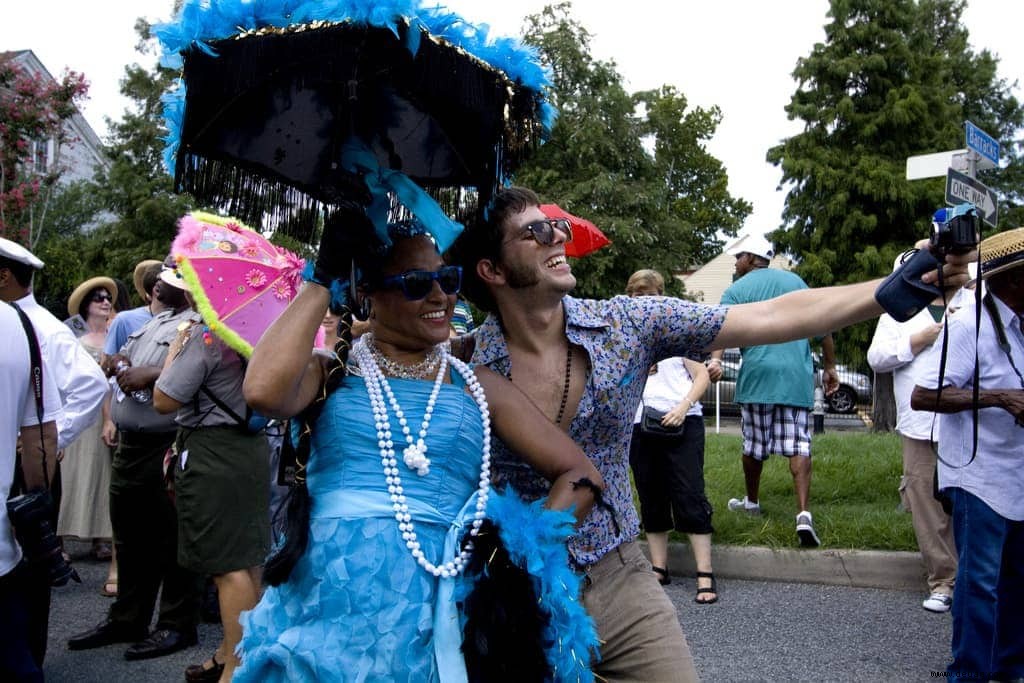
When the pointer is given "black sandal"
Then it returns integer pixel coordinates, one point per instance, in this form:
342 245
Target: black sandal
713 588
197 673
664 579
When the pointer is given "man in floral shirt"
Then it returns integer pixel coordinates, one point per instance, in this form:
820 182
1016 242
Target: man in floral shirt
584 364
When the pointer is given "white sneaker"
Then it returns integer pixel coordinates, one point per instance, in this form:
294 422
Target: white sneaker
742 504
805 530
938 602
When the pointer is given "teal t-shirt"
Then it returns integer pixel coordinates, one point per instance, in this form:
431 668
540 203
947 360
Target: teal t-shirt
782 374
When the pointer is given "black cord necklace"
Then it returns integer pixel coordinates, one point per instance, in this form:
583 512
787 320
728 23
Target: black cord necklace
565 386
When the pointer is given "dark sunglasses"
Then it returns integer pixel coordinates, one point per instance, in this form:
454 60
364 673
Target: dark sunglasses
544 231
102 296
417 284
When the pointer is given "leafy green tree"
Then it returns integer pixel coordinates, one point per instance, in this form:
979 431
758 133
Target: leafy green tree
139 210
634 164
894 78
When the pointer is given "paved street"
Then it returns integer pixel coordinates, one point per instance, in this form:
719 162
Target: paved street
758 631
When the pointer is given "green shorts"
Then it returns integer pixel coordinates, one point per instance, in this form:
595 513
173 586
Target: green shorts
222 491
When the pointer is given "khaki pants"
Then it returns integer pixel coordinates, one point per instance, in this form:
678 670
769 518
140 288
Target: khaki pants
932 526
641 639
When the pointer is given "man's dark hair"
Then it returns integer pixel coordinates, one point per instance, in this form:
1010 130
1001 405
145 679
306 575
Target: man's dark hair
149 277
21 272
122 302
482 240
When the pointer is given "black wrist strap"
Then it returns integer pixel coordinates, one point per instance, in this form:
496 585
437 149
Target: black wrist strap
36 359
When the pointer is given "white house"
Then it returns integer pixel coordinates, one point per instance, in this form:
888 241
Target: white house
83 155
708 282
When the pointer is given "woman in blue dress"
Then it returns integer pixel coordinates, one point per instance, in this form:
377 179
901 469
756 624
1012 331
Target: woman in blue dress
397 480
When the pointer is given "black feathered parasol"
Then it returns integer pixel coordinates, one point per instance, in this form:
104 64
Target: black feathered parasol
275 118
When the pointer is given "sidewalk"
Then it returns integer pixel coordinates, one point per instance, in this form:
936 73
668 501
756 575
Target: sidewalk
833 567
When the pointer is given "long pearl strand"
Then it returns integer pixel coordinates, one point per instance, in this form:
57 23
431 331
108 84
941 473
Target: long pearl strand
377 386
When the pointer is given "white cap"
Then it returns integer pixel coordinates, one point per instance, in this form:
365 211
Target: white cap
16 252
757 245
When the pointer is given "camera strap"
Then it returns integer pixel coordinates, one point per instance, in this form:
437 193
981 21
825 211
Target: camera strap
36 358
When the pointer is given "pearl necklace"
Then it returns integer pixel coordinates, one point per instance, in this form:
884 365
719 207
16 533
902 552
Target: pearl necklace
377 386
395 369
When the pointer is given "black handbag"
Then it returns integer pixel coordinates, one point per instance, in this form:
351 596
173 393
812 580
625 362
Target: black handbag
650 424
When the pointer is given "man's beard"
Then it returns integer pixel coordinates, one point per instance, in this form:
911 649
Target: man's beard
520 277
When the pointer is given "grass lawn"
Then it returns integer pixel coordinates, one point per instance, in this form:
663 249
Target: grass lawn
854 494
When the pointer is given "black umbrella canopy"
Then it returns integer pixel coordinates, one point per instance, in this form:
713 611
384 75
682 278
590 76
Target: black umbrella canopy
267 116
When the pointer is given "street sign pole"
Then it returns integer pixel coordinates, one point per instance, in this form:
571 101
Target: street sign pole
962 188
982 153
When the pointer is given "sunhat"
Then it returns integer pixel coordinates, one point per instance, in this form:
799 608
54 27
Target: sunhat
140 273
1002 251
75 300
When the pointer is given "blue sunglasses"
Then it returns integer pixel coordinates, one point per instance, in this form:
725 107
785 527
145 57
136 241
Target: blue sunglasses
417 284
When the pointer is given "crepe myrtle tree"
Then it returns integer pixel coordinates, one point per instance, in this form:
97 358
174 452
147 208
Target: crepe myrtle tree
33 109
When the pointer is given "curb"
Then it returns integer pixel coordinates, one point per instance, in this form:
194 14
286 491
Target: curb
894 570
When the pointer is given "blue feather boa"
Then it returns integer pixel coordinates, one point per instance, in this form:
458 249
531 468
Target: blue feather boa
200 22
535 539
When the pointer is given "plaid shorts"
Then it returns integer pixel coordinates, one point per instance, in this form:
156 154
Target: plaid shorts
771 428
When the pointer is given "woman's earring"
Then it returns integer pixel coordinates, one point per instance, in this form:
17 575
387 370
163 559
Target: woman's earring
363 308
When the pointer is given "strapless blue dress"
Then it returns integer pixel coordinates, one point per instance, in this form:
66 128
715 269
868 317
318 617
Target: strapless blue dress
357 607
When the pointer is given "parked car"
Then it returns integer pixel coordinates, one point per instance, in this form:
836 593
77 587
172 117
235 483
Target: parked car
854 387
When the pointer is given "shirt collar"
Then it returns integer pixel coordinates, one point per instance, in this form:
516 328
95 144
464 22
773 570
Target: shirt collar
491 344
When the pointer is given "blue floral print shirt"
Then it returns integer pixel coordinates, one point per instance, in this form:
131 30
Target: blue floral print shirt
623 337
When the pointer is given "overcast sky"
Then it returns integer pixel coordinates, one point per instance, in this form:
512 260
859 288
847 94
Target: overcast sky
737 54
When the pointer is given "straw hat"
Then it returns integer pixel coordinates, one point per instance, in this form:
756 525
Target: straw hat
140 273
1002 251
75 300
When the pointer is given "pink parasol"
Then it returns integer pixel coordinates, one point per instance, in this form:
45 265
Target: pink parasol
240 281
586 237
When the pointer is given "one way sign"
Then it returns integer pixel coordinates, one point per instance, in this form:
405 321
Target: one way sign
962 188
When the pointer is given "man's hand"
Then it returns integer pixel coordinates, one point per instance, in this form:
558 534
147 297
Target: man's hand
1012 402
135 378
830 380
714 369
922 339
954 273
109 433
110 363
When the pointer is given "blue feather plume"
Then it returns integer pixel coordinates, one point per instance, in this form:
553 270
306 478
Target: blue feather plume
535 538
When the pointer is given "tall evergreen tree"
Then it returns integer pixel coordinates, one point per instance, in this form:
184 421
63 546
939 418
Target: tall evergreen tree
634 164
894 78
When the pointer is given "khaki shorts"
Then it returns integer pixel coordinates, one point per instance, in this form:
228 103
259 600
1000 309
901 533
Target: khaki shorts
641 639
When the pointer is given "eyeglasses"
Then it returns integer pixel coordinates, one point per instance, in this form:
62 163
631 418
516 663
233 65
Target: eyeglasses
101 297
544 231
417 284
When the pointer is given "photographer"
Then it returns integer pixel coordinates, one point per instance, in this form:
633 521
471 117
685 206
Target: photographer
984 476
24 591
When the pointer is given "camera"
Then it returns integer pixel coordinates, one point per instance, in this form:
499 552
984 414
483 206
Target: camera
954 231
903 293
30 514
